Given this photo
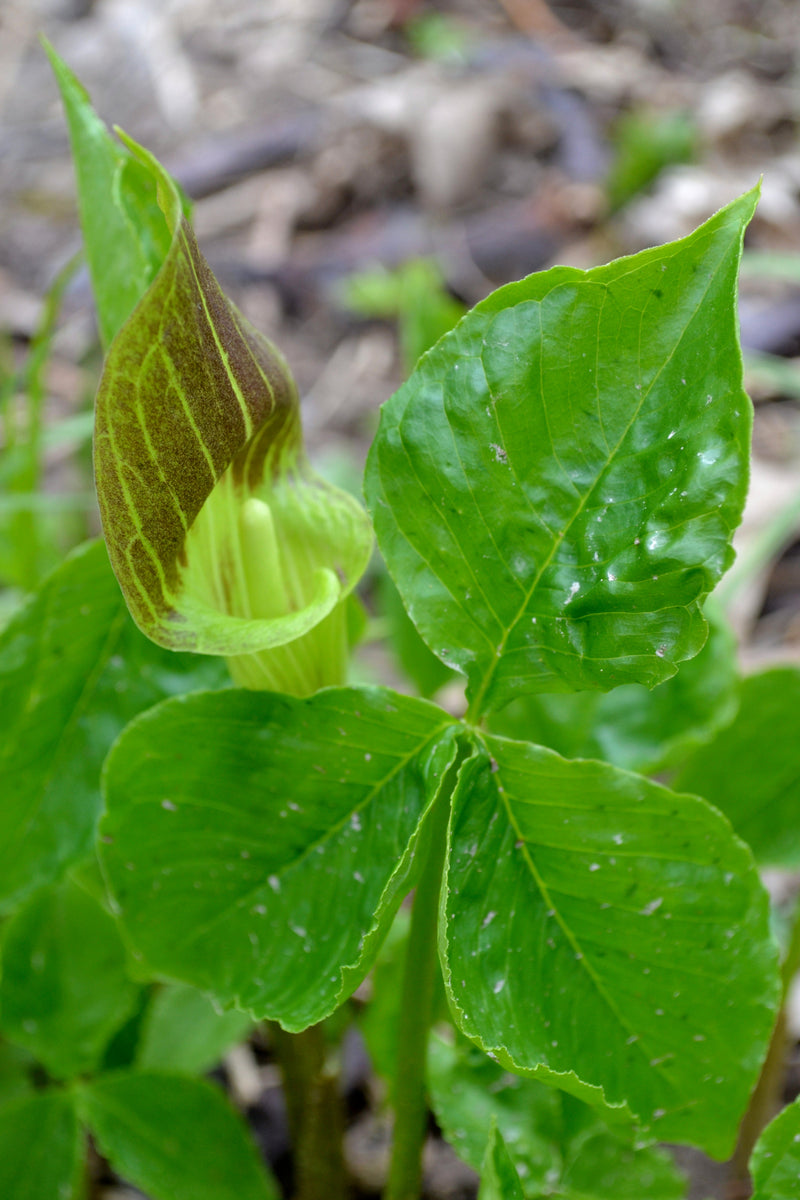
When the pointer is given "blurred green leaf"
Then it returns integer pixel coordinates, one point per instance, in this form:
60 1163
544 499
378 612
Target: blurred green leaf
751 770
558 1146
41 1149
762 264
775 372
427 672
28 543
174 1137
65 988
439 36
499 1178
183 1031
52 653
16 1065
73 671
415 295
775 1164
644 143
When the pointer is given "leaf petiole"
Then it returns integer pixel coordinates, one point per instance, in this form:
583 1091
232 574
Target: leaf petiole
418 991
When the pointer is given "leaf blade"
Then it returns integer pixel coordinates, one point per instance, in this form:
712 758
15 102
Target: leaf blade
751 771
182 1031
499 1178
557 1145
175 1137
631 726
73 671
52 653
632 900
65 989
775 1162
282 924
525 482
44 1119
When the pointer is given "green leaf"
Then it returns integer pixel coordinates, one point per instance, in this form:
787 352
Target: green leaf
633 727
258 846
558 1145
64 989
16 1066
645 142
607 935
73 671
427 672
41 1149
174 1137
137 675
124 230
555 487
222 537
775 1163
499 1178
751 771
469 1092
414 293
52 653
183 1031
29 538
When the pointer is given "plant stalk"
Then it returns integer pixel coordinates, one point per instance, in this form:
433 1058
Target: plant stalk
418 992
766 1098
315 1113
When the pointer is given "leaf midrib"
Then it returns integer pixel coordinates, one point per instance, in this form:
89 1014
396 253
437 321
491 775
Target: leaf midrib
331 832
581 957
475 707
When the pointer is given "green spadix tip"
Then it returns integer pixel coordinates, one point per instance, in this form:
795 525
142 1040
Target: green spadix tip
261 557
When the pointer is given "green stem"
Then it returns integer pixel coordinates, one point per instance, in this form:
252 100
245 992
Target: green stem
28 526
765 1100
315 1113
314 1105
418 992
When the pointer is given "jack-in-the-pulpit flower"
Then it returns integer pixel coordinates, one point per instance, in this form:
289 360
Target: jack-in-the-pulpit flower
223 538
